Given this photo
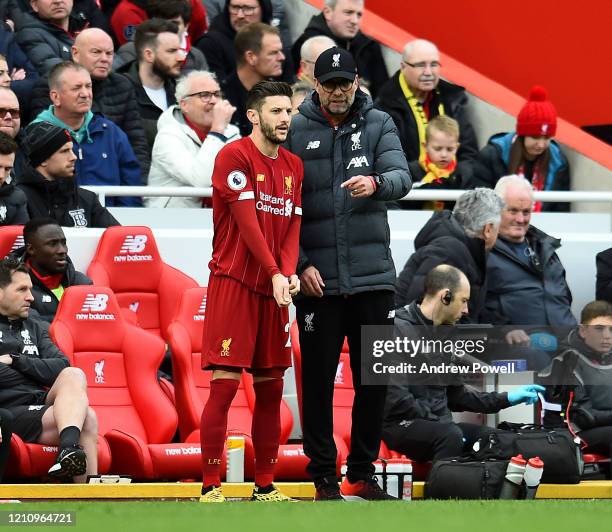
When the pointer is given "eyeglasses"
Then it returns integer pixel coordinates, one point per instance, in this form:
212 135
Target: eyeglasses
4 111
422 65
331 85
246 10
205 96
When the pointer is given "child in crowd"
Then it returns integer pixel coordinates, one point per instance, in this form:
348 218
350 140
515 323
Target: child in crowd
437 166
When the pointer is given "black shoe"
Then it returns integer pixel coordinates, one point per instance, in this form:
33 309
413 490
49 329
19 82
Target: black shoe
70 462
327 490
367 490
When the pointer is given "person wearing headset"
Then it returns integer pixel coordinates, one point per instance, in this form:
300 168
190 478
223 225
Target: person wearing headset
418 416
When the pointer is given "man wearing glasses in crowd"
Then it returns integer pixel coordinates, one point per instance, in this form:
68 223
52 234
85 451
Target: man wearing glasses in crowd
415 94
10 123
353 164
189 137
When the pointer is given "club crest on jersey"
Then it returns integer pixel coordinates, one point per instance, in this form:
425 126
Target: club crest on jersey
356 140
288 185
236 180
225 347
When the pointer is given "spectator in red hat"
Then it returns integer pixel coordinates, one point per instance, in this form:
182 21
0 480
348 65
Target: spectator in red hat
529 152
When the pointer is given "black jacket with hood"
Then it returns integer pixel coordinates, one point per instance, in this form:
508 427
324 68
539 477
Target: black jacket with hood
443 241
62 200
39 363
13 205
366 52
217 44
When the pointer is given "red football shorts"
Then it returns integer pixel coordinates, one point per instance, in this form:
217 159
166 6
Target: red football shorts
243 329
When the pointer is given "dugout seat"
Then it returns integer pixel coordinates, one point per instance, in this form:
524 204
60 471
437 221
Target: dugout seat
192 387
127 261
33 460
11 238
120 362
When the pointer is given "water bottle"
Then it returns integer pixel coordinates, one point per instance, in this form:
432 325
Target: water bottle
399 478
235 459
533 475
514 478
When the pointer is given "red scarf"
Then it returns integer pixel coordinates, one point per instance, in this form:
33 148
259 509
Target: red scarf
50 281
198 130
537 182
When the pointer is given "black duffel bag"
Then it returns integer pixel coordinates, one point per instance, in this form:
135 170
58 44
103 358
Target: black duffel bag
464 478
556 448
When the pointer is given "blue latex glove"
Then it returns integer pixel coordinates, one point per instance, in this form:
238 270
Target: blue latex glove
527 394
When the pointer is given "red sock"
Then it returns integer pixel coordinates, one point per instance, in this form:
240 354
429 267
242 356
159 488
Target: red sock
266 428
213 428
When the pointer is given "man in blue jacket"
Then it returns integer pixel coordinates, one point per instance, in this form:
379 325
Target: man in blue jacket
104 154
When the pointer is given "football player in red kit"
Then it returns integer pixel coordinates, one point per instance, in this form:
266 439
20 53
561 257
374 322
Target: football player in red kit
256 214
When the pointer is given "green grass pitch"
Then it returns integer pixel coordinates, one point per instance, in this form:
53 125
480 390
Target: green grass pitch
415 516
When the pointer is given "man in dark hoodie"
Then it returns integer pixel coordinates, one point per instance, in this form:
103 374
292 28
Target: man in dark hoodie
587 354
353 165
47 398
47 35
341 20
51 270
48 181
418 416
13 203
459 238
218 43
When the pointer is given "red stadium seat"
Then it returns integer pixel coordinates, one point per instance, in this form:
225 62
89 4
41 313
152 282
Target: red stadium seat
192 386
11 238
32 460
120 362
127 261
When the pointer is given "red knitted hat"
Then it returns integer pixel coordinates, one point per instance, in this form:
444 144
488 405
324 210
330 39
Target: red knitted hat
538 116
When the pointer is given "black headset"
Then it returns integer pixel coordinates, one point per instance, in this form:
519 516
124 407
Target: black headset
447 298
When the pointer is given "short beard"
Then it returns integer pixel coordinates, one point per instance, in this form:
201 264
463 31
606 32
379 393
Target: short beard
162 70
268 132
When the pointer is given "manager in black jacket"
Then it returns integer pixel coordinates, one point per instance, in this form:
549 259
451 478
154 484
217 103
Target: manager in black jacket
51 270
48 180
353 164
418 416
47 398
113 94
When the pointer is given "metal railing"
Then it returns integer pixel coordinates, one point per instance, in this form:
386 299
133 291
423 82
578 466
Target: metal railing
594 196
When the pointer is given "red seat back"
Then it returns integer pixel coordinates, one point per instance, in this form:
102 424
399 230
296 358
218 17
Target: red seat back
120 362
128 261
11 238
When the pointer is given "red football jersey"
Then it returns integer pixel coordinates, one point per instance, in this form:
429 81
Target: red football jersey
274 188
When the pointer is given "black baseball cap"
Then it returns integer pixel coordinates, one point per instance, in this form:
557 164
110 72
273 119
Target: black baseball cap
335 63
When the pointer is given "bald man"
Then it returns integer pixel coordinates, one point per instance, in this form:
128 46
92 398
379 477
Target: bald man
113 94
309 53
415 94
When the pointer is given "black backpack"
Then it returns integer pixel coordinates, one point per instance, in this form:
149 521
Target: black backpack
561 455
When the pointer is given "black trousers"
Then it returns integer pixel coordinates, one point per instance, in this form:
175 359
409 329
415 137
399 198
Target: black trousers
6 419
323 324
599 440
423 440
